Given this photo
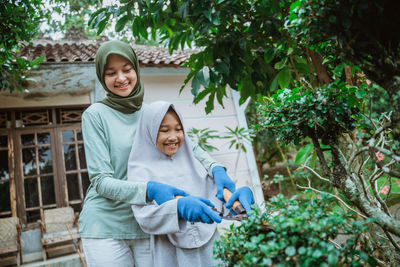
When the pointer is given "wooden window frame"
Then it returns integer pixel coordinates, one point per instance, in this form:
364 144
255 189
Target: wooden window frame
55 127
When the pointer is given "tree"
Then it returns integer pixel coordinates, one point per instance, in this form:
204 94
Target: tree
312 65
71 14
19 21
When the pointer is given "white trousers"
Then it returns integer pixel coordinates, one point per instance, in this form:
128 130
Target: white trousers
108 252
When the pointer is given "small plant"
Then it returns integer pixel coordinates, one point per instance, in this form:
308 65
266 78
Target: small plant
237 136
277 178
295 232
202 136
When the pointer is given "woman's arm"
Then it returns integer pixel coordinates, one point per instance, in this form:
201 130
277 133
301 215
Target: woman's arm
215 170
101 172
205 159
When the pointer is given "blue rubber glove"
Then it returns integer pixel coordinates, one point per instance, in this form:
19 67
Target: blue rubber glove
245 197
222 180
162 192
196 209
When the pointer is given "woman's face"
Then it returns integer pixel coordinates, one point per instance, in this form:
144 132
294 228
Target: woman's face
170 134
119 75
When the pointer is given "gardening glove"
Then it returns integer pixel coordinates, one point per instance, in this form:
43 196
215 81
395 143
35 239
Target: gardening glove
196 209
162 192
245 197
222 180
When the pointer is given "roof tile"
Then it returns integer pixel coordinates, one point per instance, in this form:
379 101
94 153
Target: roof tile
85 51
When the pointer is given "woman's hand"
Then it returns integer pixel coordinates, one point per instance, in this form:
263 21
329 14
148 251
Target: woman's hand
197 209
162 192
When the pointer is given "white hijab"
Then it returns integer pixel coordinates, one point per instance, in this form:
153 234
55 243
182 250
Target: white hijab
182 170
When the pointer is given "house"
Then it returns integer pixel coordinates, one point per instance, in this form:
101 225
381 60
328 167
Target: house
42 158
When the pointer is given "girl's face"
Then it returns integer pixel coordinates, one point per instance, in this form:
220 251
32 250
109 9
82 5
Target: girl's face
119 75
170 135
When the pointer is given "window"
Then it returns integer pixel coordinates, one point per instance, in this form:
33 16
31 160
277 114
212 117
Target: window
42 162
5 201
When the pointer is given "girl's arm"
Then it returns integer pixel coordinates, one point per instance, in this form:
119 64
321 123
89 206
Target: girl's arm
159 220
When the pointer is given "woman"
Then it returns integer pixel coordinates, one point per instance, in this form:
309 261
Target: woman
110 233
166 156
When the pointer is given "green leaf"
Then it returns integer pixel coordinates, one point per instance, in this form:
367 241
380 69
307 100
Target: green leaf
215 20
274 84
121 23
210 103
201 95
303 68
303 154
101 26
313 160
327 59
360 94
339 69
95 14
222 67
37 60
195 85
269 55
332 259
281 64
294 5
135 27
184 9
204 76
207 14
143 32
284 78
290 251
302 250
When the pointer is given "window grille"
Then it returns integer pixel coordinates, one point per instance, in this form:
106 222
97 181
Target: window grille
48 164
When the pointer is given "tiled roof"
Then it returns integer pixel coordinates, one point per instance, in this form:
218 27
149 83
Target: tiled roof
85 51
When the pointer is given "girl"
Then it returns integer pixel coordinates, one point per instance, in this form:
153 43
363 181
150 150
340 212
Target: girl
110 234
166 156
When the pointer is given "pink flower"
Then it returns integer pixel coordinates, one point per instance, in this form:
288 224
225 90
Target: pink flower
398 183
384 189
379 156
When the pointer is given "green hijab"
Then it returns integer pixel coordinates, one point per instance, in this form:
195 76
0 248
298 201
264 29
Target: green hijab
133 101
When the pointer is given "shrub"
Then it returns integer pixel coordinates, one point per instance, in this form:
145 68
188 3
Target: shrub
294 232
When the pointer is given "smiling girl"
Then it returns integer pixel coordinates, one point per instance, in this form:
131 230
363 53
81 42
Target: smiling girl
166 156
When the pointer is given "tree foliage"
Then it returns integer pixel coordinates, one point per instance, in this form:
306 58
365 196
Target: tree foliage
19 23
61 16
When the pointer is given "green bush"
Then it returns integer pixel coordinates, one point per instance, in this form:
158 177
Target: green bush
327 112
294 232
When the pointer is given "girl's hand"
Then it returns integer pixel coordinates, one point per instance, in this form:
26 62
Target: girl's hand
197 209
162 192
